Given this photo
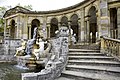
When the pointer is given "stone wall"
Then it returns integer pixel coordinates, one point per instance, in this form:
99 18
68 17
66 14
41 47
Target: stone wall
5 57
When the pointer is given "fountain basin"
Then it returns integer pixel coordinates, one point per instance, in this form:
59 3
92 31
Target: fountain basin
30 62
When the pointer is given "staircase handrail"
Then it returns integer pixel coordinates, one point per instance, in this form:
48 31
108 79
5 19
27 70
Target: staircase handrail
110 46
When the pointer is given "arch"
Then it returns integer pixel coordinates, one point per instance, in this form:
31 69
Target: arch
75 25
74 14
93 5
12 29
54 27
92 24
64 20
34 23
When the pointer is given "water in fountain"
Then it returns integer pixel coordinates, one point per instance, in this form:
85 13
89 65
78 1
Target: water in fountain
10 72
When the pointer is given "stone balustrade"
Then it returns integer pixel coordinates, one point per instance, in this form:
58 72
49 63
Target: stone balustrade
110 46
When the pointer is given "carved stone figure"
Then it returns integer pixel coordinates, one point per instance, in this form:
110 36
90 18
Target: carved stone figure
21 50
73 39
56 62
38 52
31 42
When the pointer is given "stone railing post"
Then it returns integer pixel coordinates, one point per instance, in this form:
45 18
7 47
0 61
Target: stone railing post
102 45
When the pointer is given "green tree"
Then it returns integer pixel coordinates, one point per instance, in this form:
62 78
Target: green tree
29 7
2 12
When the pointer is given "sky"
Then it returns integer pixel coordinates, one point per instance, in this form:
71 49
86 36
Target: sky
41 5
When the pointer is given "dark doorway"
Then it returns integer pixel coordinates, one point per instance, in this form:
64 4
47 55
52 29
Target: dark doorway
12 29
35 23
92 24
74 25
113 23
64 20
54 27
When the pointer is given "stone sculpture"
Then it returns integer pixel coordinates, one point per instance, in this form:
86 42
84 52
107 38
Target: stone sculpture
57 60
30 43
21 50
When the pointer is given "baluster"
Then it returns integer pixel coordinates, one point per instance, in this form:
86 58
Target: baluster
119 50
115 33
114 51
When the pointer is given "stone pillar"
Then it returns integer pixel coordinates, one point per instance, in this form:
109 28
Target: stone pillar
104 22
82 25
19 28
88 32
25 28
79 34
5 29
48 30
59 25
70 35
29 33
118 22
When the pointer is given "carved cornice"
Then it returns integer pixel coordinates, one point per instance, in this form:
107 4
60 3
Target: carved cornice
19 9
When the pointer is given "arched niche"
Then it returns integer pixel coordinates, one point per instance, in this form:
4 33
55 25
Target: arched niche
12 29
92 24
54 27
74 25
34 23
64 20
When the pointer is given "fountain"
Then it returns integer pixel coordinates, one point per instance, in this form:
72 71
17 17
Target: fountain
32 54
49 57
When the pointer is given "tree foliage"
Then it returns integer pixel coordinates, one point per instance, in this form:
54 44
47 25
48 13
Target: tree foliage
29 7
2 12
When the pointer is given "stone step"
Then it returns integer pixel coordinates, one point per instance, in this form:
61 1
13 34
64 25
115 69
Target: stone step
83 50
85 54
90 57
94 62
95 68
90 76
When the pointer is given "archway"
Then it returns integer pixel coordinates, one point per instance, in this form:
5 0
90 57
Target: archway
54 27
12 29
35 23
92 24
74 25
64 20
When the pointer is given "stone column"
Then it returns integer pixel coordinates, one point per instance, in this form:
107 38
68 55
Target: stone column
29 33
48 30
19 27
118 22
59 25
5 29
70 35
104 21
25 28
88 31
82 25
79 34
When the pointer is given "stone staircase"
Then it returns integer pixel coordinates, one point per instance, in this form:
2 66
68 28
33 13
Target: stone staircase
91 65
